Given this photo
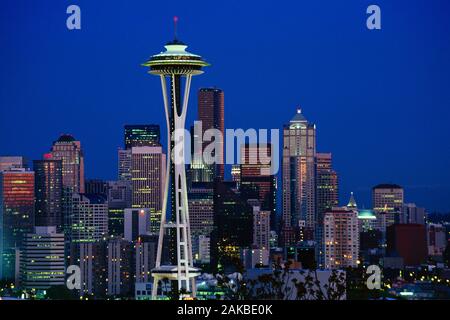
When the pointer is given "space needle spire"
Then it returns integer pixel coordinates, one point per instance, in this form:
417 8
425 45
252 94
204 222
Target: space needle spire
175 66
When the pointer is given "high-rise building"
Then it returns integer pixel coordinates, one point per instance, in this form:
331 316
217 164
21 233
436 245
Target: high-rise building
233 226
42 259
257 180
299 203
16 216
119 198
145 257
89 218
48 193
408 241
326 197
10 162
341 238
410 213
436 239
124 172
148 177
69 151
92 259
177 65
201 213
261 228
326 184
120 279
144 135
387 202
211 114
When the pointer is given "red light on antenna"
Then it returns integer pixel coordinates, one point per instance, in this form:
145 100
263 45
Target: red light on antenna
175 19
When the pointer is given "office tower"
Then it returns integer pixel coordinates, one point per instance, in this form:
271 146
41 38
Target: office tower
436 239
48 193
257 180
176 64
42 259
410 213
92 259
326 184
261 228
387 202
119 198
139 222
233 226
341 238
204 249
326 197
144 135
10 162
211 115
67 149
236 173
299 203
148 164
96 186
201 213
16 216
145 257
89 218
409 241
120 255
124 172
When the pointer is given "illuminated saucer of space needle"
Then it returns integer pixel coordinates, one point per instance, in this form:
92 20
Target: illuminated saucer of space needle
176 60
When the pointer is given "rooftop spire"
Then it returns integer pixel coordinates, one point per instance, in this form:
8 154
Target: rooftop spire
352 202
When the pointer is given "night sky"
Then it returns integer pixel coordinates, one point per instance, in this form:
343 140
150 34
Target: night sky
380 99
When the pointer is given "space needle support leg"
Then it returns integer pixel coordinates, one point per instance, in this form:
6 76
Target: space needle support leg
185 198
166 188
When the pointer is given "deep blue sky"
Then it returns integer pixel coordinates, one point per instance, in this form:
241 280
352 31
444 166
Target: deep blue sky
380 99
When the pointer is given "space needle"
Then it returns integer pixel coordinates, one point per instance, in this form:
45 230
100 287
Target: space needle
175 65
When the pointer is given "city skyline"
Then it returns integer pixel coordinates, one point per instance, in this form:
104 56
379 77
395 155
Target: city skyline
385 78
313 166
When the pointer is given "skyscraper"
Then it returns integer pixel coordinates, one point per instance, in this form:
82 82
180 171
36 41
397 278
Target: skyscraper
176 63
233 226
326 197
120 264
144 135
387 201
148 176
48 193
16 216
409 241
119 198
341 238
410 213
257 180
211 115
124 170
69 151
201 212
299 203
89 218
